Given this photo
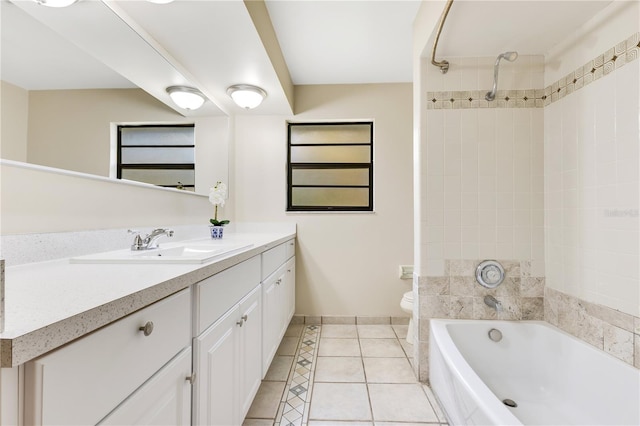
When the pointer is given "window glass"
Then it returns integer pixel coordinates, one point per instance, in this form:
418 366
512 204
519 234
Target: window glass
330 167
161 155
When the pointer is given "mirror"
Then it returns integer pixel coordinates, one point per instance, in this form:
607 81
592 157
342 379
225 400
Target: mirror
61 105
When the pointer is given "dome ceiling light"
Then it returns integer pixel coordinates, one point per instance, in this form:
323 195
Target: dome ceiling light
246 96
186 97
56 3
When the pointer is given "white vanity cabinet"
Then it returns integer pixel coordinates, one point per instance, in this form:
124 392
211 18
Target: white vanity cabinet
278 295
196 357
84 381
227 353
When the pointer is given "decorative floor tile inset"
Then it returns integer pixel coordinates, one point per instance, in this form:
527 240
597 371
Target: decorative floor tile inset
297 397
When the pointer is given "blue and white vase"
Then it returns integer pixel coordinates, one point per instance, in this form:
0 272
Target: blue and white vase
217 232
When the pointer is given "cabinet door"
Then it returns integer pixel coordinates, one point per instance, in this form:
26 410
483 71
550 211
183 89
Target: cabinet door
164 400
250 351
272 316
217 372
290 289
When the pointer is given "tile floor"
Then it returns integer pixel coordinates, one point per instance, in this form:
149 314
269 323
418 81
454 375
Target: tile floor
350 375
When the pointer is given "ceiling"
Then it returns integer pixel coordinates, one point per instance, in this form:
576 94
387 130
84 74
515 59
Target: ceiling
487 28
343 42
212 44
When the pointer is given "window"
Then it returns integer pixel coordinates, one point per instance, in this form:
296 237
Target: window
330 167
162 155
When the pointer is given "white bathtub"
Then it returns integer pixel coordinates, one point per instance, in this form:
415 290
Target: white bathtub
554 378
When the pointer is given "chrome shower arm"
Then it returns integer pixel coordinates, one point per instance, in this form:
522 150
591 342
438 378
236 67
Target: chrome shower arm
509 56
491 95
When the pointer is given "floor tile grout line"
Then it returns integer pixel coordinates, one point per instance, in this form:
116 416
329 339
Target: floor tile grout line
312 356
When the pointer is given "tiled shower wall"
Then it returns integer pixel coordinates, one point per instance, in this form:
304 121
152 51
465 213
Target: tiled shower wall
592 191
484 166
592 176
485 195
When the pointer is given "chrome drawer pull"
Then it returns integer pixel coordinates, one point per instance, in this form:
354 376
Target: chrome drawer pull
279 281
147 328
245 318
192 378
239 323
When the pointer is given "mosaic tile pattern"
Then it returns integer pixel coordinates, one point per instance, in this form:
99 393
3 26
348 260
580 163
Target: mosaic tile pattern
294 407
616 57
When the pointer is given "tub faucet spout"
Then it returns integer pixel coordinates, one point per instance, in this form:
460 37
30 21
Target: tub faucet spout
492 302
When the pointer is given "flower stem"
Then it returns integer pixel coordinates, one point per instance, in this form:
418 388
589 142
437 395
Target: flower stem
215 214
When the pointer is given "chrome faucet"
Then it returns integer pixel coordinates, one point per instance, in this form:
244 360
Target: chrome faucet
492 302
150 241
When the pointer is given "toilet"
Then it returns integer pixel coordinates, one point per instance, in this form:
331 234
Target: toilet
406 304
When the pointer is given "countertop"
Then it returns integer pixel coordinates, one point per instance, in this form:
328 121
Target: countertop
48 304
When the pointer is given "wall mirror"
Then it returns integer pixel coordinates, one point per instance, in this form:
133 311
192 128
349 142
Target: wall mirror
66 87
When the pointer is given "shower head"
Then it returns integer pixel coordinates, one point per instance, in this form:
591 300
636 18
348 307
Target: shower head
509 56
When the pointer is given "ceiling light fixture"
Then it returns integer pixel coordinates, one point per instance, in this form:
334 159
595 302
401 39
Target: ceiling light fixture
246 96
56 3
186 97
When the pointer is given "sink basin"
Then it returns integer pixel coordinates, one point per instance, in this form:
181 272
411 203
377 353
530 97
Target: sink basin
187 253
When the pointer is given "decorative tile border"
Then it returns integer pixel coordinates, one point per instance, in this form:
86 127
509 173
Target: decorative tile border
621 54
294 406
531 98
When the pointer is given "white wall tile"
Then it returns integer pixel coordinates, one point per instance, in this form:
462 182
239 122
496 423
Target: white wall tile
592 191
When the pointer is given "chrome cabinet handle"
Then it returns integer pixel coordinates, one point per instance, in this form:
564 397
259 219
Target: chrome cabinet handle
279 281
243 319
147 329
192 378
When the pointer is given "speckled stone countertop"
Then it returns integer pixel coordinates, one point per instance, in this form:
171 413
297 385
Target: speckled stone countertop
48 304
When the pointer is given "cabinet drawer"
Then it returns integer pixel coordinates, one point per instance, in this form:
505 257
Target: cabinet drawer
217 294
83 381
291 248
273 258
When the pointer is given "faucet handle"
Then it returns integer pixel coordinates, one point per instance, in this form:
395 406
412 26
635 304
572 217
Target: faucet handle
138 244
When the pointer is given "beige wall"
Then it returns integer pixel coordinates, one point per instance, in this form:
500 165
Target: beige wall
14 112
71 129
347 263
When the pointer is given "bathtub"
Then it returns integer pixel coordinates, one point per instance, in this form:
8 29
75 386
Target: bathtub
554 378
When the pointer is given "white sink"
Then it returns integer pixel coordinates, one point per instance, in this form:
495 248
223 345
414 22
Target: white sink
174 253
